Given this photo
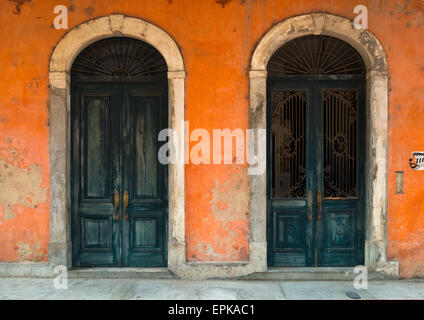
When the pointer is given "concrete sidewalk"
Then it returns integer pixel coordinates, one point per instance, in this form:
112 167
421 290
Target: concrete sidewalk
115 289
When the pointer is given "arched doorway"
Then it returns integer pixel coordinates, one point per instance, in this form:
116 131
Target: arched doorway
63 56
372 53
316 153
119 193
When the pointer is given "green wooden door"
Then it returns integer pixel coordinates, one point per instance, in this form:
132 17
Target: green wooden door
119 189
315 171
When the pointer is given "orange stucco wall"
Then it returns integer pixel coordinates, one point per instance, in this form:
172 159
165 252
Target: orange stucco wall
216 38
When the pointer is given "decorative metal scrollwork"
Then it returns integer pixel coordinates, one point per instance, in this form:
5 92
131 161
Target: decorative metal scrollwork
288 139
315 55
119 58
340 142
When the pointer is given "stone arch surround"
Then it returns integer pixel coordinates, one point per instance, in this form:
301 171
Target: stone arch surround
374 57
64 53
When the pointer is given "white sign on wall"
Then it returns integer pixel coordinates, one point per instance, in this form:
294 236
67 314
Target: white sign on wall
416 162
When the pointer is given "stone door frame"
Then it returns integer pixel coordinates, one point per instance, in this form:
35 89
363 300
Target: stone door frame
374 57
60 250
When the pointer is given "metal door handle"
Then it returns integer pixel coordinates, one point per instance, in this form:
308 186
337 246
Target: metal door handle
125 204
116 203
319 204
310 201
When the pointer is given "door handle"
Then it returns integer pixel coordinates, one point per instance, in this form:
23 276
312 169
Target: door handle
125 204
319 204
310 201
116 204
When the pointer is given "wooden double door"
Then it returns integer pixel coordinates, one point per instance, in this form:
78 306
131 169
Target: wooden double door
119 188
315 171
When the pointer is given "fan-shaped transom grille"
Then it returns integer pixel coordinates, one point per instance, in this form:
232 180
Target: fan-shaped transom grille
119 58
315 55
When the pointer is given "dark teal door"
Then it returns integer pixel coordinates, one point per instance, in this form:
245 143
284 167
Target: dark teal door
315 171
119 189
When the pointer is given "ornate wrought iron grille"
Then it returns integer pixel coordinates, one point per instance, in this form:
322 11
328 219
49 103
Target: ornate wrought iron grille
288 143
119 57
315 55
340 142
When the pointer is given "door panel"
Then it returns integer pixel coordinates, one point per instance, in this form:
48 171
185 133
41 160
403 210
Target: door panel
290 237
145 178
95 235
146 240
315 181
96 151
340 236
290 175
145 124
114 150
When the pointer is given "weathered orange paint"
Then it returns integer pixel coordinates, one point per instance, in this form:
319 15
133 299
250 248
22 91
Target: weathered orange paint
217 39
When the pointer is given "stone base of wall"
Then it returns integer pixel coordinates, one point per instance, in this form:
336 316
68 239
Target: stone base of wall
199 271
26 269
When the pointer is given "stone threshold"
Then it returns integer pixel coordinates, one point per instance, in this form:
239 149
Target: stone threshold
46 270
121 273
312 274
